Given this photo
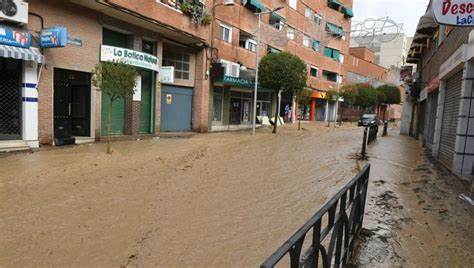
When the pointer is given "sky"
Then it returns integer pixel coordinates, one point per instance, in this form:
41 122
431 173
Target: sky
407 12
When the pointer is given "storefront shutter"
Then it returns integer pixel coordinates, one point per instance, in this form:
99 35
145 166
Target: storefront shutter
450 119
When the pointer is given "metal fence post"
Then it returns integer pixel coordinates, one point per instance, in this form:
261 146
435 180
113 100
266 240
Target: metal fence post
364 141
385 128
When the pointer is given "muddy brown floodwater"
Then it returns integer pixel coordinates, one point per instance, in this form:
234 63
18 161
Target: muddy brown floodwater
218 200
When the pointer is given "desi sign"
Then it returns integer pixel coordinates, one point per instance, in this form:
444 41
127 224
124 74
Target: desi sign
11 37
130 57
53 37
454 12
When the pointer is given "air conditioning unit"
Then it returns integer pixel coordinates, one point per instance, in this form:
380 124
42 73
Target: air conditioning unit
14 11
231 68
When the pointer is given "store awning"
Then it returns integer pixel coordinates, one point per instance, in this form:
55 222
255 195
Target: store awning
335 3
255 3
347 12
427 23
334 29
30 54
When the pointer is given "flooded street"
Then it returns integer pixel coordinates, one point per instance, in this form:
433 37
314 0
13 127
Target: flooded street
223 200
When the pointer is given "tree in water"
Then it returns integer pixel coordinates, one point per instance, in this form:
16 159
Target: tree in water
282 72
117 81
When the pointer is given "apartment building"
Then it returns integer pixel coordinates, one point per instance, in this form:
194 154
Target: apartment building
316 31
390 50
55 101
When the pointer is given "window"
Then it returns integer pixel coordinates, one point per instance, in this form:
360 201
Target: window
226 33
148 47
218 104
330 76
290 33
332 53
277 21
308 13
246 41
180 62
176 4
313 71
306 40
272 50
317 18
315 45
292 4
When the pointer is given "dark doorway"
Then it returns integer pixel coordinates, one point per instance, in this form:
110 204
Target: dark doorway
10 99
72 101
235 111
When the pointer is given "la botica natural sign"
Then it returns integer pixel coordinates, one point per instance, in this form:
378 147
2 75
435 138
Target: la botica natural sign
130 57
454 12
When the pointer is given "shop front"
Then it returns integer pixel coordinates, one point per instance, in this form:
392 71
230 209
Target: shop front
318 106
19 66
232 103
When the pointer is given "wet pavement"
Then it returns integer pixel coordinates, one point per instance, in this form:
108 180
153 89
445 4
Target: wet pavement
414 217
223 200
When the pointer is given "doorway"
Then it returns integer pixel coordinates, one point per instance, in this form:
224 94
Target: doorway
235 111
72 104
10 99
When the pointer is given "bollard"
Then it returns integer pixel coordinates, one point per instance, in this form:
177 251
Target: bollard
385 128
364 142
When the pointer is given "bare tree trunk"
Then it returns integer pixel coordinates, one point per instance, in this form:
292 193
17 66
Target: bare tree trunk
109 126
277 113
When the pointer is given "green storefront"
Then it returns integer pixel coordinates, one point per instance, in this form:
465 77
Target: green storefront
146 97
231 100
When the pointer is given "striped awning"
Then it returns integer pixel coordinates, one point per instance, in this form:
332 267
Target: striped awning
30 54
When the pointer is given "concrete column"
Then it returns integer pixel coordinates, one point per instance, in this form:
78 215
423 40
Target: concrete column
29 106
200 111
312 110
439 117
463 162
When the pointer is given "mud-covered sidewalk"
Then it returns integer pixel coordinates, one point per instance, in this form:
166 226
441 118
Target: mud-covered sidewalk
414 217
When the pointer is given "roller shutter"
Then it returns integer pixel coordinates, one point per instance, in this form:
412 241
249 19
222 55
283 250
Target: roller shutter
450 119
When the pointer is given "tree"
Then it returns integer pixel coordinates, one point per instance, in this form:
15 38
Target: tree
360 94
304 98
388 94
282 72
117 81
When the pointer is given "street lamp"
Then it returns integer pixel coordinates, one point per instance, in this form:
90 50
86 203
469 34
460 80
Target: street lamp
254 112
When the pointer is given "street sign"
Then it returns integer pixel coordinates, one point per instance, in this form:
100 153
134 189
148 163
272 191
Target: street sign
454 12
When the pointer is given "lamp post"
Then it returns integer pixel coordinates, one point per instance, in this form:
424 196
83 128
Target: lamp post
254 112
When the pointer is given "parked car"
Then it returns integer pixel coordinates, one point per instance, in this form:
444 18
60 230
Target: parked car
367 120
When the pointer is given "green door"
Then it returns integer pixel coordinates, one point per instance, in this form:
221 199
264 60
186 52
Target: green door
146 102
112 38
117 118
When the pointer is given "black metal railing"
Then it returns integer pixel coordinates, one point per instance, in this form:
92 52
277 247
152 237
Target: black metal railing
345 213
373 130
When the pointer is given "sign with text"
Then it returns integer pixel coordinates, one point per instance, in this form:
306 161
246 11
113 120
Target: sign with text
454 12
167 74
53 37
11 37
130 57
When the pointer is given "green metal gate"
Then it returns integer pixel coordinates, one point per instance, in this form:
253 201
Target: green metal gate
146 102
